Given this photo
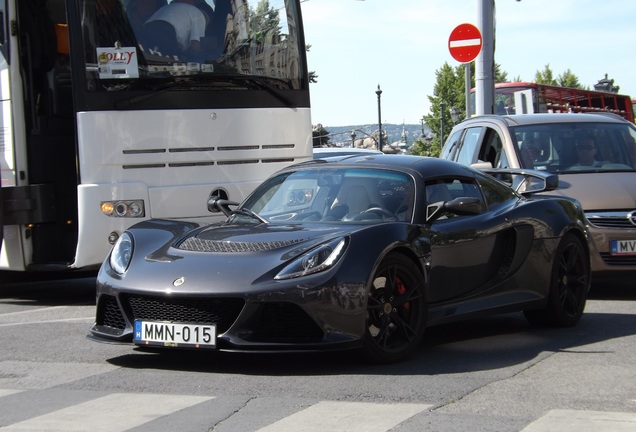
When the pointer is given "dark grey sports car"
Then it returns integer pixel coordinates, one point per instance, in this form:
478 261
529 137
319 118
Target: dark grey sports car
357 252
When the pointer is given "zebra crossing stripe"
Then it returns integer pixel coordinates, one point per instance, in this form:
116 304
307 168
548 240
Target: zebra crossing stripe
7 392
335 416
113 413
583 421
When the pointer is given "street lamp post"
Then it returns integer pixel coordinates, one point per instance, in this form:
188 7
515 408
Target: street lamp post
442 106
454 112
429 141
379 93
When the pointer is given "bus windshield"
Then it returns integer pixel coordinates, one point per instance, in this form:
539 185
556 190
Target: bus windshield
133 44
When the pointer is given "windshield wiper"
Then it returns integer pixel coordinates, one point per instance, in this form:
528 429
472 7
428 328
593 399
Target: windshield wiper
259 83
212 81
250 213
128 102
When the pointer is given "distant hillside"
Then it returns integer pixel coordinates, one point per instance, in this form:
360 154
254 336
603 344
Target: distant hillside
341 135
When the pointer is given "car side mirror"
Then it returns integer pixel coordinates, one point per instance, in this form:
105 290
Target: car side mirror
217 204
462 206
526 183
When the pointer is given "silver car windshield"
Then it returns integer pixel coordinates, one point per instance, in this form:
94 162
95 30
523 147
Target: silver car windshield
576 147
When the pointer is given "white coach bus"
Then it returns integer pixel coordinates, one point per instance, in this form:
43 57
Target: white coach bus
101 128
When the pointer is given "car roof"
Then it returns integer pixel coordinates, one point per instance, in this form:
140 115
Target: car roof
427 167
542 118
344 150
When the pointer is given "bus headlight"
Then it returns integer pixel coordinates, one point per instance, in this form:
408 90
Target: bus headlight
121 254
127 208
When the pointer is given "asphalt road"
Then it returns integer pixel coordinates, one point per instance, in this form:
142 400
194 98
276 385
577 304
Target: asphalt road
496 374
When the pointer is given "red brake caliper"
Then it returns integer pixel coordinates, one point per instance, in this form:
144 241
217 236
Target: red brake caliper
401 289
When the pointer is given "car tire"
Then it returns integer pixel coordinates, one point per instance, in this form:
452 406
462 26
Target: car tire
396 311
569 286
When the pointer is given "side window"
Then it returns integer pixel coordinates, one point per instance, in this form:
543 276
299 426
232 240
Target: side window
442 190
450 149
467 152
492 150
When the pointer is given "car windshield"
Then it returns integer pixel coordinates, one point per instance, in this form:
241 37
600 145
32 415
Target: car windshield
575 147
335 195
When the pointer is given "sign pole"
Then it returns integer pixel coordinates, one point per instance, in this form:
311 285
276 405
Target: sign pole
467 87
465 45
485 64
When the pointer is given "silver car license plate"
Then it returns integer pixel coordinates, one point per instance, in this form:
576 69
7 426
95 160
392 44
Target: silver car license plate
623 247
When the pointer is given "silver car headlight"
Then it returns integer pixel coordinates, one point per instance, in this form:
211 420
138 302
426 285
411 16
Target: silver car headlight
316 260
121 254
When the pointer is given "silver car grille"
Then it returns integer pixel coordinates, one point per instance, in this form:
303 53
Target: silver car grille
626 219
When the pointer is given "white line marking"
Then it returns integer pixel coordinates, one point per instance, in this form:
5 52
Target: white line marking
79 319
7 392
31 311
113 413
346 416
464 43
583 421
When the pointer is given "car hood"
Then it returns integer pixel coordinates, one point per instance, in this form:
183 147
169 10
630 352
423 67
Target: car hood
600 191
222 258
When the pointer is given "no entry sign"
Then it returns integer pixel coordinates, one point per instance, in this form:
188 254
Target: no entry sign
465 43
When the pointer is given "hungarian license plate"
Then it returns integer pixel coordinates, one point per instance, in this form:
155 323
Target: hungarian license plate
175 335
623 247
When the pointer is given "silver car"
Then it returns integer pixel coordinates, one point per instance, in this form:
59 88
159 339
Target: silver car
594 156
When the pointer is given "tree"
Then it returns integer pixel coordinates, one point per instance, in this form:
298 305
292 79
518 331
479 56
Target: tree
568 79
546 76
264 20
449 88
313 77
320 136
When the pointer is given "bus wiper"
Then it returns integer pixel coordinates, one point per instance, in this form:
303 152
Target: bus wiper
216 81
260 83
250 213
128 102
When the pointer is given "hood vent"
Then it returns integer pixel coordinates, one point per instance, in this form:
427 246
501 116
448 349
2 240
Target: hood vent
198 245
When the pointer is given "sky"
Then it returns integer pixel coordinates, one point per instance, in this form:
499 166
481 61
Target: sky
400 44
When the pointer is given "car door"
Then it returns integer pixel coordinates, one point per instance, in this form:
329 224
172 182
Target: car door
467 252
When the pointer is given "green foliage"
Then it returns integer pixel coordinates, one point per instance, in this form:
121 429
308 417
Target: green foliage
546 76
449 89
568 79
264 21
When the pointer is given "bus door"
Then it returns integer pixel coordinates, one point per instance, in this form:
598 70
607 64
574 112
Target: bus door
37 151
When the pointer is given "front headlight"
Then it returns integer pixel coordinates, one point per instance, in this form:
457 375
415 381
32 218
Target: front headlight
316 260
121 254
